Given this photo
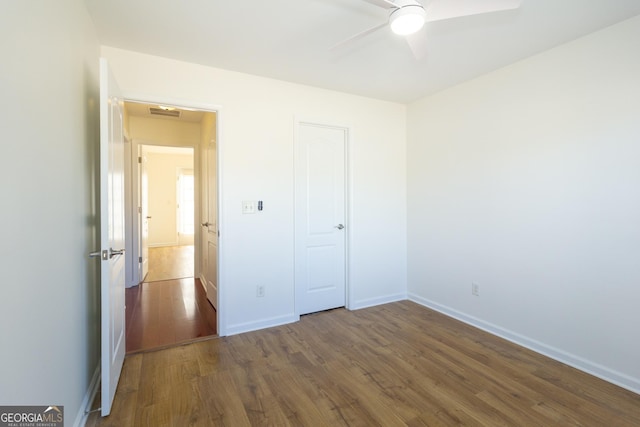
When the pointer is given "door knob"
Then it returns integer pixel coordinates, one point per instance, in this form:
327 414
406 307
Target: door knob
205 224
106 254
148 217
114 252
339 226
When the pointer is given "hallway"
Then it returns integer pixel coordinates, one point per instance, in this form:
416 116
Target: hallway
170 306
170 262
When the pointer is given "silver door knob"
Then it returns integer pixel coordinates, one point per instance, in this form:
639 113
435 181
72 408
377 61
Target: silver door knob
115 252
106 254
95 254
339 226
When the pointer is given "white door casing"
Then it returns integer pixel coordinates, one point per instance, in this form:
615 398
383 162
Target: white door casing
112 235
320 217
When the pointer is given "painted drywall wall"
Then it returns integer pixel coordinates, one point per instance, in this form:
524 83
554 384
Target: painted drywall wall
162 173
159 131
49 298
256 123
526 182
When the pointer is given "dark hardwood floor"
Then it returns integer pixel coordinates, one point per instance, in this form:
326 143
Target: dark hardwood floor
166 313
397 364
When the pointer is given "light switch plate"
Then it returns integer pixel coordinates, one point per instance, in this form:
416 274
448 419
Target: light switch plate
249 206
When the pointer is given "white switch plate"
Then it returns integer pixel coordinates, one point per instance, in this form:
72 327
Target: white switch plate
249 206
475 289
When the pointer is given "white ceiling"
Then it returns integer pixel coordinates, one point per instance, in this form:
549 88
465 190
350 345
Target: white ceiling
291 39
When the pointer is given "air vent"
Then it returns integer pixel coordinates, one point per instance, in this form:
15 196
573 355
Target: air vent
163 112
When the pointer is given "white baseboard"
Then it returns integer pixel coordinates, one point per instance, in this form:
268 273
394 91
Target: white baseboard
261 324
85 407
357 305
595 369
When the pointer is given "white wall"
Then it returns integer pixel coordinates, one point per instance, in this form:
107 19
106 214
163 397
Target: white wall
49 306
526 181
162 171
160 131
256 150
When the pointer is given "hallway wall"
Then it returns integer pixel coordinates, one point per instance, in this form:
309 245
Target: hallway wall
162 169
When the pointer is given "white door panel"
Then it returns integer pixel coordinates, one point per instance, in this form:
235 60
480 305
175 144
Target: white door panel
320 217
112 235
210 226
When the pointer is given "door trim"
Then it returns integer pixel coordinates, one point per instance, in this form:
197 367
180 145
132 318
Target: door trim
347 193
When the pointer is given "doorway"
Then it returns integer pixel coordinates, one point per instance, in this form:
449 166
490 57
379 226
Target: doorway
167 198
168 302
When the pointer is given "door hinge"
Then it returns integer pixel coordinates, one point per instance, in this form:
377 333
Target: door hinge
140 160
139 209
140 260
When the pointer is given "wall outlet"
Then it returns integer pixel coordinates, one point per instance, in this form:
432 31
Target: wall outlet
260 291
475 289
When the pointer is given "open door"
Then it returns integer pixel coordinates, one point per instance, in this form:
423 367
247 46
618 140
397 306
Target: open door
210 227
112 233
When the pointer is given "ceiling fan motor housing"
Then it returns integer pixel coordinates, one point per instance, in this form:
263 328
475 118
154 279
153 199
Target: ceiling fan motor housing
408 18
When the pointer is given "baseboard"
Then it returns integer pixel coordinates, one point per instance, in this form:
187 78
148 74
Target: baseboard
595 369
371 302
261 324
85 407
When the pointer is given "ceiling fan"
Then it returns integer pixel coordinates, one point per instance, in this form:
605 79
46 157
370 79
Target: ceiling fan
407 17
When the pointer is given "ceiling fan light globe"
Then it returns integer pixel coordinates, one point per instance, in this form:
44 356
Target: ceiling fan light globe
407 20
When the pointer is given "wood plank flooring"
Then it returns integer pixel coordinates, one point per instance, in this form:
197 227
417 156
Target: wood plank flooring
170 262
397 364
166 313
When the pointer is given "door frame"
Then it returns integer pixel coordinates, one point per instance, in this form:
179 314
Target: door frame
348 190
213 108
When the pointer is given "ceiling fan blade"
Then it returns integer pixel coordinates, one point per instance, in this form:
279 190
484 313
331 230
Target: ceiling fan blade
386 4
418 44
357 36
439 10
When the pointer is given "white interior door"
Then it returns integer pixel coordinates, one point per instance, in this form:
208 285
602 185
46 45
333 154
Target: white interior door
143 185
320 214
210 226
112 234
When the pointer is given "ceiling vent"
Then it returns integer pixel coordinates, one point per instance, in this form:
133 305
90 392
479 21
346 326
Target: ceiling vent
164 112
